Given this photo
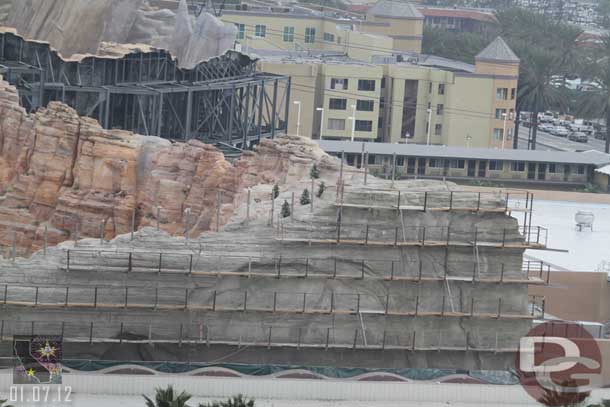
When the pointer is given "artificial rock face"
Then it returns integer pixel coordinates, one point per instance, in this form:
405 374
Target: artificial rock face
92 25
67 174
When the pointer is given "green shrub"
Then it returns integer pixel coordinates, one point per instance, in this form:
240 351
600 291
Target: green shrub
285 209
305 197
321 189
314 173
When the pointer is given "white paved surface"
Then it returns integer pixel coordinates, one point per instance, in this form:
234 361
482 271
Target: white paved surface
588 250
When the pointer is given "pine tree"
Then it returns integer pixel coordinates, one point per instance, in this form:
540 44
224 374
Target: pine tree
305 197
285 209
314 173
321 189
276 191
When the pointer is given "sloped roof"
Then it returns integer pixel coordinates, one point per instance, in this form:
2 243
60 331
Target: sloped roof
597 158
477 15
395 9
498 50
604 170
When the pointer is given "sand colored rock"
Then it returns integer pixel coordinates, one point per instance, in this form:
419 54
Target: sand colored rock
82 27
67 174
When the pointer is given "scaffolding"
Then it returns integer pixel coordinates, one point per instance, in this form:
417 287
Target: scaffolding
222 100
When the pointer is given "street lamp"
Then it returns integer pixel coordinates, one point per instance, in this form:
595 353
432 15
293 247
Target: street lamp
321 110
505 116
298 103
353 121
429 125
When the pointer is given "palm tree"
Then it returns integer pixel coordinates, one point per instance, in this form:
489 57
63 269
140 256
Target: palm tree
562 399
547 50
168 398
237 401
596 103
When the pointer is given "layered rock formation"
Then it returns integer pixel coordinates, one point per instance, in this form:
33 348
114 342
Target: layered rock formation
66 174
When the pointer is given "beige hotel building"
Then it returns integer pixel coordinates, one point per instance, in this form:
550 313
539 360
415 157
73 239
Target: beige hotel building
364 77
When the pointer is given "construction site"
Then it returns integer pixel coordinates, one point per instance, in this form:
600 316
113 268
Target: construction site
136 225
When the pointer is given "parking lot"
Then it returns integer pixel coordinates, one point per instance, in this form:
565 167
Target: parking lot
546 141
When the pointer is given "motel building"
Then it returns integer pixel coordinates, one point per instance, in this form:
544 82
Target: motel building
557 168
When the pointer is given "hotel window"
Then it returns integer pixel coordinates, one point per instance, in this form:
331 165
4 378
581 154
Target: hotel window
241 31
366 84
288 34
457 164
371 159
495 165
438 130
260 30
336 124
365 105
328 37
400 161
337 104
499 113
336 83
580 169
513 93
502 93
383 82
498 134
440 108
552 168
364 125
430 87
518 166
435 163
310 35
509 133
441 88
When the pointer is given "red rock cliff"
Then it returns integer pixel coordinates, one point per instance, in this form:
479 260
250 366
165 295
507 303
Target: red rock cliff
65 173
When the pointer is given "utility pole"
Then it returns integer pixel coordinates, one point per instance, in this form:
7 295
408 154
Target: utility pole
298 103
429 125
353 121
321 110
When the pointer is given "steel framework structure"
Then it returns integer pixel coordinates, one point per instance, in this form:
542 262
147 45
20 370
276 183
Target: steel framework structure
222 100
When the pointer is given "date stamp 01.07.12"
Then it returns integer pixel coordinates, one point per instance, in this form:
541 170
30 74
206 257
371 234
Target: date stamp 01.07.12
37 373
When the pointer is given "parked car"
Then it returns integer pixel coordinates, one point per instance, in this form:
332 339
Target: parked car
560 131
600 135
546 127
581 127
579 137
546 117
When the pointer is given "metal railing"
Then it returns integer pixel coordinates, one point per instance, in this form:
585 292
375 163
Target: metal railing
444 236
296 302
350 196
269 336
203 264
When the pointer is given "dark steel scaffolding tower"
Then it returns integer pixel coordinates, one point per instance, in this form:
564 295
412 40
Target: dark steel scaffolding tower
222 100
